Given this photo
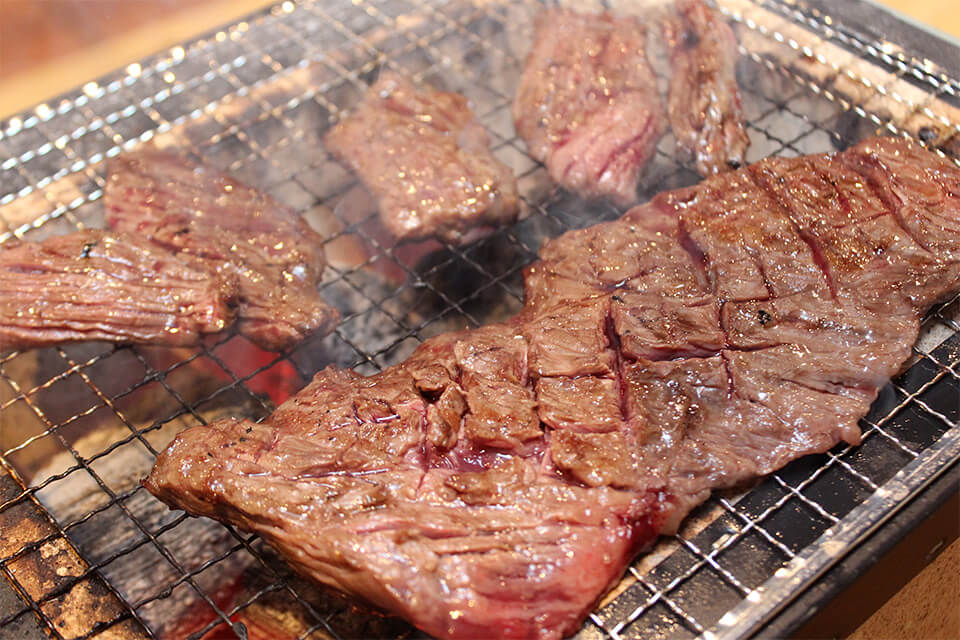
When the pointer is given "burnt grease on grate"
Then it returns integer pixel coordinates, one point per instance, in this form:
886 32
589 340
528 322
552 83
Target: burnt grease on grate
45 579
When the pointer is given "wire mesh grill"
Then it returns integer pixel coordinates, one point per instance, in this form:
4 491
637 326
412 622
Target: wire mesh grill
86 551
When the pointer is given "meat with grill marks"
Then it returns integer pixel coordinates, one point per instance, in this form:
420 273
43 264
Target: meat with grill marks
99 285
215 224
497 482
704 100
427 160
587 105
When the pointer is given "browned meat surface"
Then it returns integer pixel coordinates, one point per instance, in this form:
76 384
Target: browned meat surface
498 481
98 285
219 225
704 100
427 161
587 105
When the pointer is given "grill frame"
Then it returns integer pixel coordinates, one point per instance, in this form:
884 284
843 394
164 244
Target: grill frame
661 600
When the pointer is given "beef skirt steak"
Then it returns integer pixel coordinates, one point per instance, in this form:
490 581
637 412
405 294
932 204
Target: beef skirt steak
587 104
704 100
101 285
426 158
497 482
217 224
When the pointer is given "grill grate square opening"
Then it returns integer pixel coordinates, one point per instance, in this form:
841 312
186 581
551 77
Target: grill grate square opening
878 458
73 497
96 548
673 569
139 572
659 622
917 428
945 396
38 452
114 466
708 594
838 490
765 496
799 472
751 557
796 524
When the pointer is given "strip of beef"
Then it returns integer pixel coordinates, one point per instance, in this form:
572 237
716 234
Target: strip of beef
587 105
427 161
704 100
499 480
218 225
98 285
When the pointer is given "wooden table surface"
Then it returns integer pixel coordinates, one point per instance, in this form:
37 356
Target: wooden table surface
48 46
942 14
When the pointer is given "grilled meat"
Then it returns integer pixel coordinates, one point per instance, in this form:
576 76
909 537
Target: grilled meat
500 479
427 161
218 225
98 285
587 105
704 100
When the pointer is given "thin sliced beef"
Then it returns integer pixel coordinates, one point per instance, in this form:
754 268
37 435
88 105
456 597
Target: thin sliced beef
427 161
587 105
99 285
218 225
499 480
704 100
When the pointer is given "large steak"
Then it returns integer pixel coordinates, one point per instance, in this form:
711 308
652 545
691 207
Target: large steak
498 481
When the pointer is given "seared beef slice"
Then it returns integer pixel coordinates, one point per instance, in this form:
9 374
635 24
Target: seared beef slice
427 161
218 225
97 285
587 105
497 482
704 101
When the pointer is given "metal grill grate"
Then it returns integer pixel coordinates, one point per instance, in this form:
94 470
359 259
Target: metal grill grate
86 551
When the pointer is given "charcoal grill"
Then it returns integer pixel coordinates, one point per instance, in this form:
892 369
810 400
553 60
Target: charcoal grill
86 552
